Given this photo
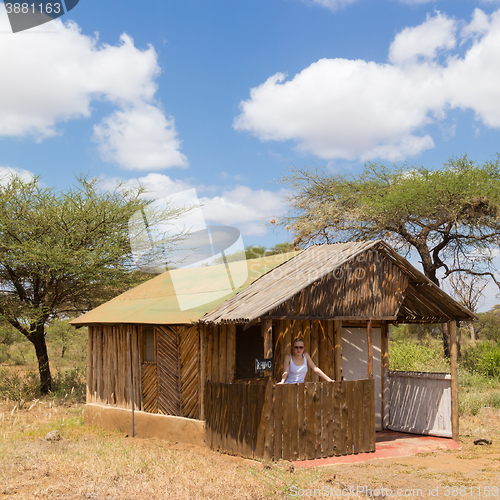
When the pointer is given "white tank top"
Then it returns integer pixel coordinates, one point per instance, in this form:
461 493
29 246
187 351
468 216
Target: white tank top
297 374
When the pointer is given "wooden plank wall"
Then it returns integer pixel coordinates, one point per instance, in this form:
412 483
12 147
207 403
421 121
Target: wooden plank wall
149 380
291 422
168 386
220 348
235 419
421 403
318 342
169 393
369 286
178 357
220 353
189 356
108 368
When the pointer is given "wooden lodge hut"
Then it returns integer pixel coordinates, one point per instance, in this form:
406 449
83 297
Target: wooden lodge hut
190 375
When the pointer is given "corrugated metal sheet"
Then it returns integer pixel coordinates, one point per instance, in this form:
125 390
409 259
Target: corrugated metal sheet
156 301
317 261
420 403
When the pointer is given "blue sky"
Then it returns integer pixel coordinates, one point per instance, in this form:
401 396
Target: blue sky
225 96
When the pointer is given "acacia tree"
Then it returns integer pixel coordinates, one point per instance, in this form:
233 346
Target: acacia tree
62 253
449 216
468 290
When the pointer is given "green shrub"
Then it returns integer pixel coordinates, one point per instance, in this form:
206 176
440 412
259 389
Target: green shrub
475 381
483 358
470 403
488 326
409 355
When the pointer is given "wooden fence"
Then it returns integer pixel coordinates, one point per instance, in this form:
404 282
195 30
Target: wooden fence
291 421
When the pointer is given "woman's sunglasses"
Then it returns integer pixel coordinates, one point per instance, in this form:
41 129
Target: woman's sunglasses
298 347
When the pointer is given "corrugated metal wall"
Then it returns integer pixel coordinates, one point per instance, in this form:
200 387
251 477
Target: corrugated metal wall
420 403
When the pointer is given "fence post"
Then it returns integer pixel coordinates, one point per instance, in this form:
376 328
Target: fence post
268 414
452 334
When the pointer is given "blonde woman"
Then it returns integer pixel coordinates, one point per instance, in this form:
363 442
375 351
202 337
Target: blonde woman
295 366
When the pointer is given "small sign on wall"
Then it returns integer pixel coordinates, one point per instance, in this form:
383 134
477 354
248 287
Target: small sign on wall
264 365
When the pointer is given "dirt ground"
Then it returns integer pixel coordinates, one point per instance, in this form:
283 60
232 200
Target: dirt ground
88 463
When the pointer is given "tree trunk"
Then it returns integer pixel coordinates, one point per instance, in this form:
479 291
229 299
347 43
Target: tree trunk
38 340
469 325
446 343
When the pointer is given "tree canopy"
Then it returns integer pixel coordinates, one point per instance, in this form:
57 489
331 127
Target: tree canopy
62 253
449 216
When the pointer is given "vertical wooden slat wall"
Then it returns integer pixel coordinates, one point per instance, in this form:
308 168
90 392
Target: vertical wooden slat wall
108 367
291 422
370 285
168 385
319 342
90 382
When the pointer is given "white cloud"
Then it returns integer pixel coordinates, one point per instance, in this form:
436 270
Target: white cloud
435 33
53 77
140 138
338 108
416 2
242 207
6 173
479 25
355 109
333 4
156 185
247 209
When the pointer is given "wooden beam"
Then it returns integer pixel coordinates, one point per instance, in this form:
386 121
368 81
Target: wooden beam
370 348
337 334
384 347
452 334
267 333
231 353
89 363
339 318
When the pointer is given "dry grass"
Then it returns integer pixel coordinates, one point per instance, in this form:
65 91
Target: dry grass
89 463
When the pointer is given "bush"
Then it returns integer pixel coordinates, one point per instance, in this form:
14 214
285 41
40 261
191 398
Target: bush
483 358
19 388
69 383
409 355
470 403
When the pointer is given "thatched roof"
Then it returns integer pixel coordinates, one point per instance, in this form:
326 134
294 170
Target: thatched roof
386 287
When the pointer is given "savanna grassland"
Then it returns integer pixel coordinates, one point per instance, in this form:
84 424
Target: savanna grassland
95 464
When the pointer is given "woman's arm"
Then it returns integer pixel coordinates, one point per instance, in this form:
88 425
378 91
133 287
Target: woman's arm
286 367
315 369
